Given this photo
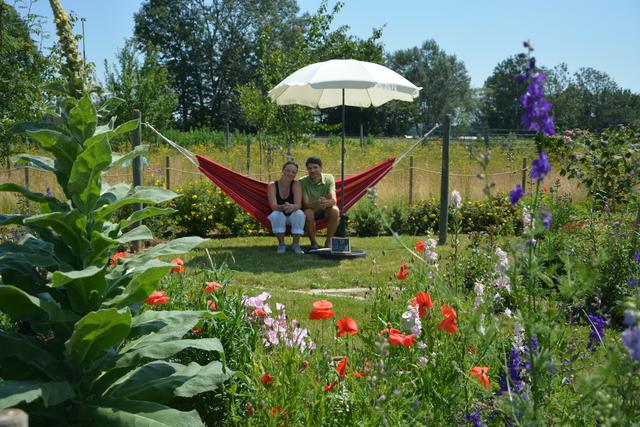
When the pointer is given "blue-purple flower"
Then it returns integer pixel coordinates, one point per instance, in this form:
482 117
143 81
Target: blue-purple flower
516 194
638 257
474 418
540 167
631 341
597 331
546 219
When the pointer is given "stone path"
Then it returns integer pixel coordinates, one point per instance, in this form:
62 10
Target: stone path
357 293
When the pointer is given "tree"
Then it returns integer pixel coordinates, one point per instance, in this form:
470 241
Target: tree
501 107
23 70
444 80
208 49
143 86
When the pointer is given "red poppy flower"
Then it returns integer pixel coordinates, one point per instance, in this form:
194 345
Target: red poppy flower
347 325
330 386
449 323
321 310
266 378
260 312
211 287
398 338
342 368
179 263
481 373
423 301
212 304
114 259
157 298
420 246
196 331
403 273
249 409
277 411
358 374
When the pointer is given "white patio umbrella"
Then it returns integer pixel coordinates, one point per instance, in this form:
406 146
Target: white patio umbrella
343 82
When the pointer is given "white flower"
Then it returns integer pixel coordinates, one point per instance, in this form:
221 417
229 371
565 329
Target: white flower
503 259
503 282
421 345
507 312
527 220
456 199
423 360
478 288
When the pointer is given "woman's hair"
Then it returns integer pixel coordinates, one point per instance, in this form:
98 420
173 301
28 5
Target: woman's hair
290 162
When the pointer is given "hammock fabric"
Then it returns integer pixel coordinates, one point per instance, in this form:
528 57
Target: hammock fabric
251 194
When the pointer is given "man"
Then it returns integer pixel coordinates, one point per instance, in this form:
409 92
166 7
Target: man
319 201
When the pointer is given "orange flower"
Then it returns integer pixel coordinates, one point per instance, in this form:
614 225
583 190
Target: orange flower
114 259
403 273
397 338
330 386
212 287
420 246
423 301
481 373
157 298
212 304
449 323
179 263
342 368
347 325
321 310
358 374
266 378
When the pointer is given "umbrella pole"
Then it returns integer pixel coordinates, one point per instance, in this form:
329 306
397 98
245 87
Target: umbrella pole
342 227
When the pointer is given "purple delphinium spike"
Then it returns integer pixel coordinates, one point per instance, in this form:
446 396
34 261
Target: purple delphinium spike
474 418
638 257
516 194
546 219
631 341
540 167
597 331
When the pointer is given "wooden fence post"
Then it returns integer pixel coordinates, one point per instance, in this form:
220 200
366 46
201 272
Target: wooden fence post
524 175
444 182
167 172
136 139
26 177
13 417
410 180
248 156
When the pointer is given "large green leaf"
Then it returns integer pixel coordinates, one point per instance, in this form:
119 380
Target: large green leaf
85 288
70 226
19 305
101 246
148 212
178 246
141 232
38 162
142 349
85 179
158 326
82 120
140 287
63 147
161 381
119 159
16 219
96 333
52 393
33 352
127 127
147 195
111 193
135 413
34 197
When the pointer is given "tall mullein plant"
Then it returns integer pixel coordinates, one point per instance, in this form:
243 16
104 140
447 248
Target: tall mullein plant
73 69
537 221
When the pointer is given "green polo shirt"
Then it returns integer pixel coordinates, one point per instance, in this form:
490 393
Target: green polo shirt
313 190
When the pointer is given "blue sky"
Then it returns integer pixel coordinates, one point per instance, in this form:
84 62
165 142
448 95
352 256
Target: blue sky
601 34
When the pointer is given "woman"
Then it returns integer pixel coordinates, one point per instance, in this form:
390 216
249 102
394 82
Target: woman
285 199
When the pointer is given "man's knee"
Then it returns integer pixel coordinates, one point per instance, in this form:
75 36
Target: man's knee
333 212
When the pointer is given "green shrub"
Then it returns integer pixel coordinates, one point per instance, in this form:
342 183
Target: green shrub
204 209
365 219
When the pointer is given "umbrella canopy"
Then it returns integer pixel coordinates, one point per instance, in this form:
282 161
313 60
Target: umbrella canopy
365 84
